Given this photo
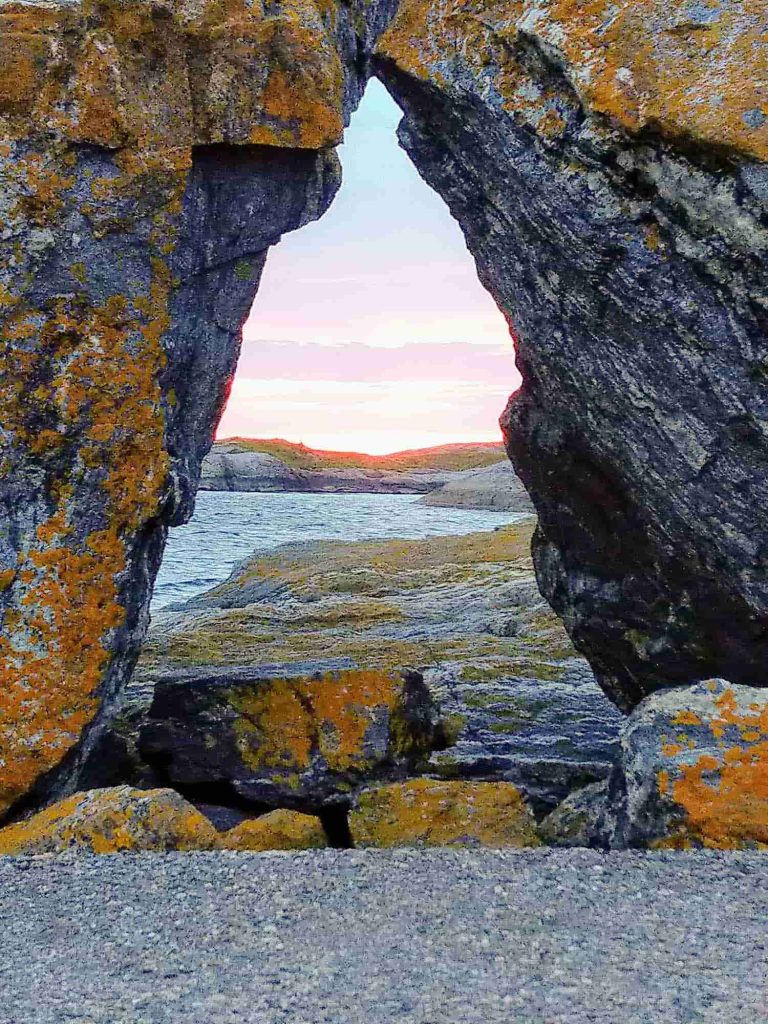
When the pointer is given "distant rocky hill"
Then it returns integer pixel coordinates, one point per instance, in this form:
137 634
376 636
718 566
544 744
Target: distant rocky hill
276 465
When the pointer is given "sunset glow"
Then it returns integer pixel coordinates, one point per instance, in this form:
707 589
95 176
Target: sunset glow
370 330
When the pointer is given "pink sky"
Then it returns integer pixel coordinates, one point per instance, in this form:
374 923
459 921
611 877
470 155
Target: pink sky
370 330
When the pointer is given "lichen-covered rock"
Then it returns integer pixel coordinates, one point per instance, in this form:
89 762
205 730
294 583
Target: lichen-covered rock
150 153
112 821
694 769
584 819
427 812
298 742
607 162
278 830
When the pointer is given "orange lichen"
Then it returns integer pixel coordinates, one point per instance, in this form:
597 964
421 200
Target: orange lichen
425 812
284 723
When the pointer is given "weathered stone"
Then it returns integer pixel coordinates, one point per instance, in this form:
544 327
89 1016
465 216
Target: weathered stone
495 487
150 153
425 812
607 162
112 821
293 742
278 830
583 819
694 769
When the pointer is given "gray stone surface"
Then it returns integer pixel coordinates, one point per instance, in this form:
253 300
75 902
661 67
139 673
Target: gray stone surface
445 937
494 487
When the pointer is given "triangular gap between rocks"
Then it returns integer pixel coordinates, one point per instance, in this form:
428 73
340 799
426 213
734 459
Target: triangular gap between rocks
371 330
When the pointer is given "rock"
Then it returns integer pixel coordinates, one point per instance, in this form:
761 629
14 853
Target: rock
516 703
149 157
228 467
495 487
425 812
278 830
582 819
298 742
694 769
120 820
607 163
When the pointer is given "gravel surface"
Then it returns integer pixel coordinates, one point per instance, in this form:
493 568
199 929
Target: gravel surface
540 937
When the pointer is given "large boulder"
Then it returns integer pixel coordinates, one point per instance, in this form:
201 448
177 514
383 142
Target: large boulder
427 812
607 163
495 487
150 154
296 742
120 820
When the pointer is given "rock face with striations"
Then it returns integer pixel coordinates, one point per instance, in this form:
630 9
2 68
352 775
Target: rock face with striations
150 153
607 164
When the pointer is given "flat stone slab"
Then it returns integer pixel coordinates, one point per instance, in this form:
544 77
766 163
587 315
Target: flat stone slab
443 937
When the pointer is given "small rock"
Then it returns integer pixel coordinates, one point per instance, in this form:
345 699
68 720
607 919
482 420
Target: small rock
278 830
582 819
112 821
426 812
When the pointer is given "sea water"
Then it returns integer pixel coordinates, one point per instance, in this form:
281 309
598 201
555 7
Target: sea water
227 527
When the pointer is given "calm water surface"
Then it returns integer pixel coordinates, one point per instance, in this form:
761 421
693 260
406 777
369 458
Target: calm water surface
226 528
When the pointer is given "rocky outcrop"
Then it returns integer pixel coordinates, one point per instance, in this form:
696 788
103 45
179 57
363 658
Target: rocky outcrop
495 487
287 741
607 162
121 820
423 812
149 156
228 468
516 703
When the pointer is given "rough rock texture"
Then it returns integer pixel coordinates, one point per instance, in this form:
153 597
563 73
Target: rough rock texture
278 830
516 703
227 468
606 161
150 153
497 487
585 818
121 820
423 812
298 742
694 769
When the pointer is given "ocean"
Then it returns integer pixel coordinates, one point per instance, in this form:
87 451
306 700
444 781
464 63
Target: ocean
227 527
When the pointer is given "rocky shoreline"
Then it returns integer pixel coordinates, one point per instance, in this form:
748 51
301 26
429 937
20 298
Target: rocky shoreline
235 466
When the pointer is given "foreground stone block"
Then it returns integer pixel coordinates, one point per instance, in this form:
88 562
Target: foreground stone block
425 812
120 820
289 742
695 768
278 830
